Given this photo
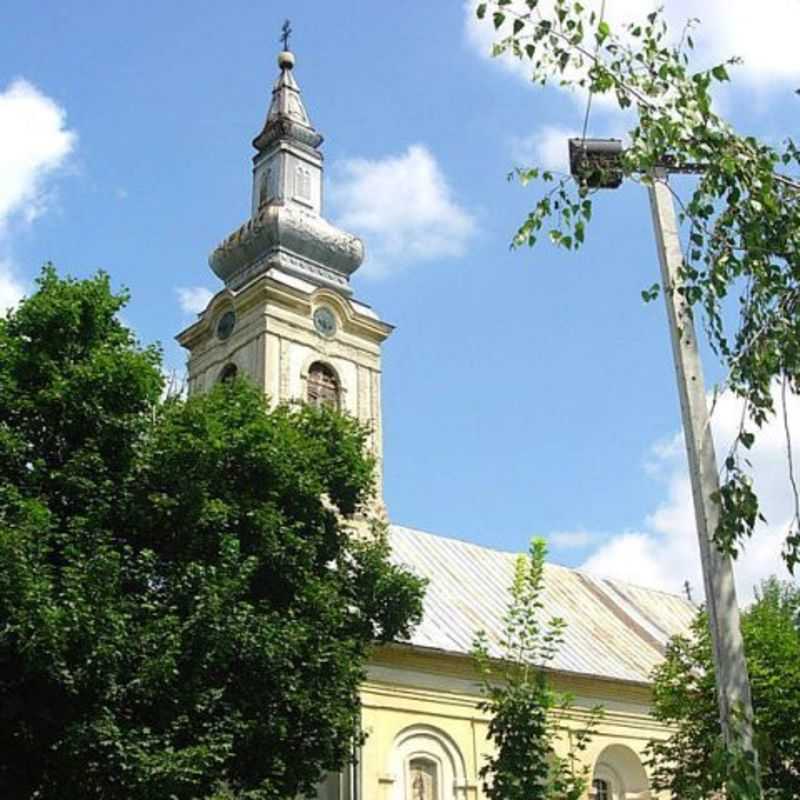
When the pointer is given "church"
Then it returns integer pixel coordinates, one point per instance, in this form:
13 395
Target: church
287 319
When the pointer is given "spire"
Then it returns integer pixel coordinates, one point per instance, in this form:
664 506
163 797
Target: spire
286 230
287 118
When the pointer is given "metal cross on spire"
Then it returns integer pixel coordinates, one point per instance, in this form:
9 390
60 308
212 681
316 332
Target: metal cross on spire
286 33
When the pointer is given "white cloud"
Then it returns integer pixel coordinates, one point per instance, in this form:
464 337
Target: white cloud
569 539
403 207
481 35
193 299
11 288
546 148
665 552
763 34
34 144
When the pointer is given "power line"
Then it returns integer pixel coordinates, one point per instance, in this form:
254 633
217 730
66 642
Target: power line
589 98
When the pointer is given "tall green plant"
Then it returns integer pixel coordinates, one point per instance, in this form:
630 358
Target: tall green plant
537 751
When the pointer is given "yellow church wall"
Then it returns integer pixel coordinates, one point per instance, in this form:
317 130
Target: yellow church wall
418 702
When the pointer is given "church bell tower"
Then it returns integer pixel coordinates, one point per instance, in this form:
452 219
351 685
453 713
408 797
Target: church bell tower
286 317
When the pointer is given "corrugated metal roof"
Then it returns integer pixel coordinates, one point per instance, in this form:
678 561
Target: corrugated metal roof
614 630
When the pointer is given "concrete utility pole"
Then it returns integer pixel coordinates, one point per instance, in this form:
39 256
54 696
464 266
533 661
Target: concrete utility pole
596 163
733 685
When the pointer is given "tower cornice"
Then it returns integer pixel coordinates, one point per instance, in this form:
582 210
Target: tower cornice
276 289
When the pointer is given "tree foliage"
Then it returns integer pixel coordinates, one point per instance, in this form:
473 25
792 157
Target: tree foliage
529 718
692 764
741 219
184 609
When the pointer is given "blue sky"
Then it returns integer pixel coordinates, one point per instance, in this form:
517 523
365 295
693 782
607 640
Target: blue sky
526 392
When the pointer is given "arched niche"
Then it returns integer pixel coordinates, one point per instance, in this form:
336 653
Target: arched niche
426 765
619 775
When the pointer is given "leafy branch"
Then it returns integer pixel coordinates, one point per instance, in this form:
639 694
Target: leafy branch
741 218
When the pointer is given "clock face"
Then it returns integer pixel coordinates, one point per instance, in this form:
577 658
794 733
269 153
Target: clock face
226 324
325 321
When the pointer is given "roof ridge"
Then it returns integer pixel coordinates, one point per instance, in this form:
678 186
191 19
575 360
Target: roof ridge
456 539
549 563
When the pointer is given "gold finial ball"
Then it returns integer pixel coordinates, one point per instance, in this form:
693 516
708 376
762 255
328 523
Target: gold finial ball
285 59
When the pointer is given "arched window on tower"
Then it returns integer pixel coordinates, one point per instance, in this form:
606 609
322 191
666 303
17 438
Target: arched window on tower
229 373
323 386
601 789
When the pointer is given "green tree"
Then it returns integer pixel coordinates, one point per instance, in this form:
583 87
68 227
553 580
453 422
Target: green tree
741 218
184 609
691 763
529 718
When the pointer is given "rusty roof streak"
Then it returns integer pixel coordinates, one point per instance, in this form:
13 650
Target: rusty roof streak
618 589
614 629
617 609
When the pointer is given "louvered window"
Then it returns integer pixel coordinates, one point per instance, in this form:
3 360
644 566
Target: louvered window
323 386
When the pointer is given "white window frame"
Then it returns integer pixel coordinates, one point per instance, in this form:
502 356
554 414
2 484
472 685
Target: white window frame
425 742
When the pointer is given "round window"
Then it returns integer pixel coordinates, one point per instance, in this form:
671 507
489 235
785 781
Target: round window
226 324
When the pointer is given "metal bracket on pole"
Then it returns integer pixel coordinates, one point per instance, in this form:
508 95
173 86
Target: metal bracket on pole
733 686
